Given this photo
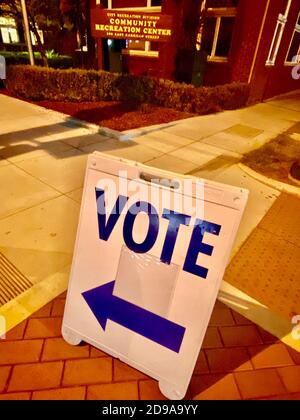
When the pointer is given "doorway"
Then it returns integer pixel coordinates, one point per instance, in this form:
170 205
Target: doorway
112 52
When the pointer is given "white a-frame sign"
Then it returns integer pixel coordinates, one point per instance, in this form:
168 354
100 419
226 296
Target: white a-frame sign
150 254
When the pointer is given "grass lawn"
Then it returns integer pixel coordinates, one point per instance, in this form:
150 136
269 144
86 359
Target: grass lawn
114 115
275 158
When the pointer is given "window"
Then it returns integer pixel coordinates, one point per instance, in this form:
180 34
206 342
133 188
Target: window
154 3
216 36
293 55
131 4
9 35
140 47
33 37
222 3
281 21
9 31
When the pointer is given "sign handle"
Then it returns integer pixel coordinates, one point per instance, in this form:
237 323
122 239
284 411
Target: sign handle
154 179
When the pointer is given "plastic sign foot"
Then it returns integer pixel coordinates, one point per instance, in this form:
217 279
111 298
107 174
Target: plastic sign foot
168 390
105 305
70 337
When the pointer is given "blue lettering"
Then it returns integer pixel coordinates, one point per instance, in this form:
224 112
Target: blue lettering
175 220
134 210
197 246
105 228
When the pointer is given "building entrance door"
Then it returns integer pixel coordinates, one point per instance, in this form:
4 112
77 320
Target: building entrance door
112 49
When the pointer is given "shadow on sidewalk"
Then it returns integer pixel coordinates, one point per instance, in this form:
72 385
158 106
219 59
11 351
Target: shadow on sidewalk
29 140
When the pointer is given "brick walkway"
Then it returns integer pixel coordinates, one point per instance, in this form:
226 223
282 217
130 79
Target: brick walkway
272 276
238 361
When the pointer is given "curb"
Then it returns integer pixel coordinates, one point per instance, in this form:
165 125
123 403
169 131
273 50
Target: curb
278 185
74 122
137 132
94 128
109 132
120 135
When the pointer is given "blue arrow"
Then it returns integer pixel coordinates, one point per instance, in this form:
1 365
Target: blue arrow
105 305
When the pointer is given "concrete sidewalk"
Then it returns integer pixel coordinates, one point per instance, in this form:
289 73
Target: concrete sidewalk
43 157
42 162
210 147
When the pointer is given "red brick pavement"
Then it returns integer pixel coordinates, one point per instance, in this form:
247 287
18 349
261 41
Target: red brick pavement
238 361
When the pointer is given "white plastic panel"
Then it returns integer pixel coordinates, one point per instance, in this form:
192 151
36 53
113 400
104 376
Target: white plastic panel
151 314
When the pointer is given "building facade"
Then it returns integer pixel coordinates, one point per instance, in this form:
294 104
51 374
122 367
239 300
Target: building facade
254 41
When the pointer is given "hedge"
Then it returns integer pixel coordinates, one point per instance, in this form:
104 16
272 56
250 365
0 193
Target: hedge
18 57
39 83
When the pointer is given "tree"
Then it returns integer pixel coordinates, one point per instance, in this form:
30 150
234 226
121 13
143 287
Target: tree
187 31
76 13
41 14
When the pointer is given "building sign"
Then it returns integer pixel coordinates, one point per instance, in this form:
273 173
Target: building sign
150 255
121 24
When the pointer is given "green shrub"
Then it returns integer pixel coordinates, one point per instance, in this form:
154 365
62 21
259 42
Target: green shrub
61 62
106 89
40 83
200 100
55 60
134 90
89 85
74 85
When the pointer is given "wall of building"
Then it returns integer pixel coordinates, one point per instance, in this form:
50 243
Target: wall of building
268 81
244 41
129 3
141 65
217 74
252 37
245 37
